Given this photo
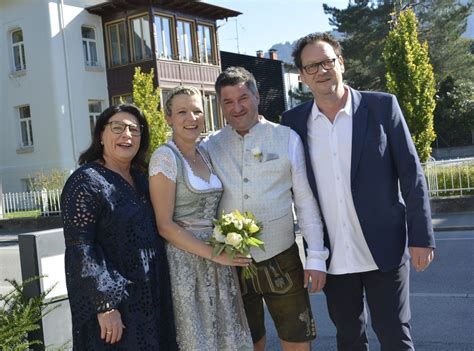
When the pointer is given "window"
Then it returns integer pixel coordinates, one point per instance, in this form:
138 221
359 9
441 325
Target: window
18 47
211 112
89 46
95 109
121 99
185 41
117 44
26 129
140 37
206 47
164 38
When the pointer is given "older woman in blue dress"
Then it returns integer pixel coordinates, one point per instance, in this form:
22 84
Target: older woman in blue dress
185 193
116 268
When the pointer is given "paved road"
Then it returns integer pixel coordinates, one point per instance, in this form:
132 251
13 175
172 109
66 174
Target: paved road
442 298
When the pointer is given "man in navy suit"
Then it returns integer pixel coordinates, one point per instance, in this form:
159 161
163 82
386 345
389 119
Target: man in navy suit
363 168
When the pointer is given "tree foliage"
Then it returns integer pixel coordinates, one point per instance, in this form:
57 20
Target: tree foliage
147 98
442 24
410 77
364 27
454 113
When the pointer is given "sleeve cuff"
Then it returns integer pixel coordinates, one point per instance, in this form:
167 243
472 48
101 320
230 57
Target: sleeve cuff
316 260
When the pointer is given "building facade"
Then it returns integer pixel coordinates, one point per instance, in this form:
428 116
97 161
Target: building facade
67 60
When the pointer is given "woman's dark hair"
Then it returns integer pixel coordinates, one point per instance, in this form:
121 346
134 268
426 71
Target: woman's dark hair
96 151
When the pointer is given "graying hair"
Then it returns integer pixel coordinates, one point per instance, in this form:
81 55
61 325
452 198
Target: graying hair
179 90
234 76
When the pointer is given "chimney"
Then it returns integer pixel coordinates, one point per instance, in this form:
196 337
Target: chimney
273 54
260 53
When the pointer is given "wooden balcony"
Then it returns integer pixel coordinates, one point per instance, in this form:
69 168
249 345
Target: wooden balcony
172 73
169 73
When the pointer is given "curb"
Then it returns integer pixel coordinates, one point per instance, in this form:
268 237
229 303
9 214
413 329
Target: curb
453 229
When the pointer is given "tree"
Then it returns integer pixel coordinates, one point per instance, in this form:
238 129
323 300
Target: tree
147 98
442 24
454 113
364 27
410 77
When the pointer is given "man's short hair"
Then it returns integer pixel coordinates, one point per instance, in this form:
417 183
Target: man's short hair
311 38
233 76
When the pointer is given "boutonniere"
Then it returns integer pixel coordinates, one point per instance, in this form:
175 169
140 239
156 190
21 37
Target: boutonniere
257 153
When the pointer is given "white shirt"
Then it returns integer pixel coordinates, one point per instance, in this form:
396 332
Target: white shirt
330 147
307 209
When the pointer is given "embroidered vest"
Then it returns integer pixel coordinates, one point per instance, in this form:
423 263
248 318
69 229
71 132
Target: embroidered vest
260 184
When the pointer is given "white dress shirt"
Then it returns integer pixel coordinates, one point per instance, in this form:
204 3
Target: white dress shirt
330 147
309 217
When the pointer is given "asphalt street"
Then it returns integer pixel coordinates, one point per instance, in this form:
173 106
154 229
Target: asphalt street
442 298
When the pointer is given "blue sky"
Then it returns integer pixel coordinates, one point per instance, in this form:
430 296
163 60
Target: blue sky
267 22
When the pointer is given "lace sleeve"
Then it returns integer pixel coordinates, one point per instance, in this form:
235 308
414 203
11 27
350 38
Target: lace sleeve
163 161
93 284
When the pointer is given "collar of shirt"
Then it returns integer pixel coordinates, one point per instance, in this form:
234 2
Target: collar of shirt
253 130
346 110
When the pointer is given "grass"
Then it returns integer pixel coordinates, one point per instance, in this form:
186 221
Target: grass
22 214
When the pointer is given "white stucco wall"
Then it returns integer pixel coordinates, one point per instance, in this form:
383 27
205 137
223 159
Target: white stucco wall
56 85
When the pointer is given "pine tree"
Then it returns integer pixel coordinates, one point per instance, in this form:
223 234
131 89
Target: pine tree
410 77
147 98
442 25
364 27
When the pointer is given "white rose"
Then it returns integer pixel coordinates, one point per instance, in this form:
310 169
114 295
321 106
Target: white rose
217 234
233 239
256 151
237 223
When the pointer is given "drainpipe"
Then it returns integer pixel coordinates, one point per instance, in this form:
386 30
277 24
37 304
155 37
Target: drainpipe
68 82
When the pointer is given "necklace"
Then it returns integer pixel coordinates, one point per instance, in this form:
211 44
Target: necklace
188 158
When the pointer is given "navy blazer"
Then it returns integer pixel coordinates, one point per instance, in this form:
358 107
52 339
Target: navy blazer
383 155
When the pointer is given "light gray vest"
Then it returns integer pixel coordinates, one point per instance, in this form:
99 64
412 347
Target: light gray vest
262 186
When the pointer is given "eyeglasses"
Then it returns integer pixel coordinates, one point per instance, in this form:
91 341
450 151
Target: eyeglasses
313 68
118 127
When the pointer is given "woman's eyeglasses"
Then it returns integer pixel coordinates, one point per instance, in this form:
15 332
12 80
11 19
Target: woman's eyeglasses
118 127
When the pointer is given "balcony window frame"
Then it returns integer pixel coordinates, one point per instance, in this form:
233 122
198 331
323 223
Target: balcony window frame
213 42
172 37
142 39
193 41
116 24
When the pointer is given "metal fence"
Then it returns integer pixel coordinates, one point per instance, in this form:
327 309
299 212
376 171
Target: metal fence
450 177
45 203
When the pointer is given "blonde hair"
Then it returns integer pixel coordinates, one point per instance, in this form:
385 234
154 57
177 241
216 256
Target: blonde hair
179 90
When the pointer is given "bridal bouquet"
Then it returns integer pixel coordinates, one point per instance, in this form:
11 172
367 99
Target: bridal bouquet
234 233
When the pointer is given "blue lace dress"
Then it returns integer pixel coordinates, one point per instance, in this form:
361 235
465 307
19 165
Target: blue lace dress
208 309
115 259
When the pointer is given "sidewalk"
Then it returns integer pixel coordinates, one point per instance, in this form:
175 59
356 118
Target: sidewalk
453 221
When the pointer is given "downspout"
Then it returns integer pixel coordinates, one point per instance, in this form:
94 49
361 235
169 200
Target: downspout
68 82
